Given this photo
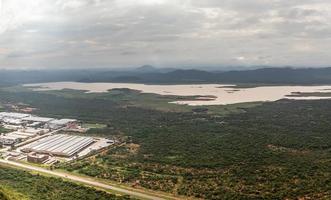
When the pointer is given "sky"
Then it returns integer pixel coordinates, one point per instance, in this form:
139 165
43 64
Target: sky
55 34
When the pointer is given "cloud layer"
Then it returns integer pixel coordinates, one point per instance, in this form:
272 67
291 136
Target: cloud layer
122 33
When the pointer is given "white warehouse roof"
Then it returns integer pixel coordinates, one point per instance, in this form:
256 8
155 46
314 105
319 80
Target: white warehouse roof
60 145
62 121
37 119
14 115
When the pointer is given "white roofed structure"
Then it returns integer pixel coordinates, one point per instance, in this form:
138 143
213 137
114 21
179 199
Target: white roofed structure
60 145
37 119
62 121
13 115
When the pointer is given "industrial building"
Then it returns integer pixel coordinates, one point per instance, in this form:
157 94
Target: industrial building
37 158
59 145
17 136
11 115
22 119
25 126
37 119
9 140
37 139
59 123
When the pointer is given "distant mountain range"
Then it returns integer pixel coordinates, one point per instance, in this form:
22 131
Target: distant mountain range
151 75
257 76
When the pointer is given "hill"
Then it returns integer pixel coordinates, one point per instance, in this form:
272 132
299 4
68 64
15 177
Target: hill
257 76
150 75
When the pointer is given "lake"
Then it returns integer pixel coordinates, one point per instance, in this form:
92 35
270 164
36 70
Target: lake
209 94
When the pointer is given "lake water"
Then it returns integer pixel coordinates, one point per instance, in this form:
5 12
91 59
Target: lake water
211 94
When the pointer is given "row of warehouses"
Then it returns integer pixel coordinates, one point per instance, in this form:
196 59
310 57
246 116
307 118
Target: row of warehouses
26 126
20 135
42 143
21 119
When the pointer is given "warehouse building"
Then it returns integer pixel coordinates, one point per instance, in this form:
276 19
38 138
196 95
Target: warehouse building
22 119
60 145
32 119
11 115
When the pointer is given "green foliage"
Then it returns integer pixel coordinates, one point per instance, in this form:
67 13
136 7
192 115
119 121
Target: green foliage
3 196
39 187
275 151
7 193
4 130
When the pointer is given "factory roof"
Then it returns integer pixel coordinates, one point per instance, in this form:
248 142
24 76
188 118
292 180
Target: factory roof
14 115
17 136
9 137
37 119
12 120
63 145
22 133
62 121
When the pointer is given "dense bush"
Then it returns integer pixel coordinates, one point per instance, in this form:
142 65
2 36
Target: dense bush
40 187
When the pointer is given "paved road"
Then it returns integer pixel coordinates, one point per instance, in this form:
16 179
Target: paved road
81 180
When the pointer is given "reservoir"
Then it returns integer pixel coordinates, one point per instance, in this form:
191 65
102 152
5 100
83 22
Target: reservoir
207 94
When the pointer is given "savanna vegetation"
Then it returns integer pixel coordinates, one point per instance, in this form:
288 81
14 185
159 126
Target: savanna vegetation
275 150
21 185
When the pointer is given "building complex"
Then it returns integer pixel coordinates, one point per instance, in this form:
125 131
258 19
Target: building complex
37 139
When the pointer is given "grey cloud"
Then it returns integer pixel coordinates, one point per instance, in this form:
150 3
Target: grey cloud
107 33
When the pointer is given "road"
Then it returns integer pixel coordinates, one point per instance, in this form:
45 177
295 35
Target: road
82 180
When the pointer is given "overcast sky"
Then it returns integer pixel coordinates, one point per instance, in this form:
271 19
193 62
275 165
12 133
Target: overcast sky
121 33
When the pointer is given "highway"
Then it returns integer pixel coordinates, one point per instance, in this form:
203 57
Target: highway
83 180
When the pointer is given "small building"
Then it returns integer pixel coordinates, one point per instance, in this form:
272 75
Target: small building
12 127
9 140
12 121
60 123
13 156
33 131
37 158
34 124
20 134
